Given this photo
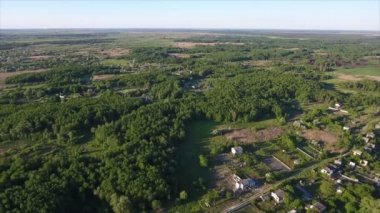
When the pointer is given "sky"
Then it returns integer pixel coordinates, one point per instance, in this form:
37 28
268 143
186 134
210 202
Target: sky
210 14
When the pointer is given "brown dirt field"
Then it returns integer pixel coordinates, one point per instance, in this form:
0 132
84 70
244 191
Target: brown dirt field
329 139
188 45
223 177
102 77
115 52
251 136
347 77
5 75
40 57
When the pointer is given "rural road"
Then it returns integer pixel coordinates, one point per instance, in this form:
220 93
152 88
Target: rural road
268 188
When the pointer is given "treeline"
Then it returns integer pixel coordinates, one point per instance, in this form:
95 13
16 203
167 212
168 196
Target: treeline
249 96
63 74
364 85
66 122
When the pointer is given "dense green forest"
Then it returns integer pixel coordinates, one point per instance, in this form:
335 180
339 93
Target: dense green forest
71 143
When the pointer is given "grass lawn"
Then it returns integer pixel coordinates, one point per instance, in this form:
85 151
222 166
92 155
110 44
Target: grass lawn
367 70
198 134
196 141
336 83
121 62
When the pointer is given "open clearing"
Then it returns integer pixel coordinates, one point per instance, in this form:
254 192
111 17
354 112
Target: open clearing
369 70
275 165
115 52
180 55
259 63
120 62
350 77
196 141
251 136
5 75
329 139
103 77
40 57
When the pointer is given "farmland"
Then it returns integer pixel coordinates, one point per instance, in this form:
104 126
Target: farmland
187 120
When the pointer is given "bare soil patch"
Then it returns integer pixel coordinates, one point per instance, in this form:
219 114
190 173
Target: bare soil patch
251 136
5 75
40 57
115 52
347 77
223 177
103 77
329 139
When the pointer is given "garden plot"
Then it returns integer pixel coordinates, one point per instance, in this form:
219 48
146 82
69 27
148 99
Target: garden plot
276 165
251 136
330 140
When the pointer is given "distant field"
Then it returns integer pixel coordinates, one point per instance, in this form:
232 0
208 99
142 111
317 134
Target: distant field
121 62
5 75
369 70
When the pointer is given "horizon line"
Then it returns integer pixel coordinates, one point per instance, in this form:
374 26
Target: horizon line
183 28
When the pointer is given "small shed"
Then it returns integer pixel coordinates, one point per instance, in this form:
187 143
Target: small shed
319 207
357 152
237 150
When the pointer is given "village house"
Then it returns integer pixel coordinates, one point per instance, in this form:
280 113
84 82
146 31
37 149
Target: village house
330 170
366 139
62 96
243 184
346 128
369 147
363 162
357 152
292 211
338 162
296 162
370 135
318 207
339 190
237 150
352 164
278 195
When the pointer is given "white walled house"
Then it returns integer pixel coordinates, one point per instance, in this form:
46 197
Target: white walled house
278 195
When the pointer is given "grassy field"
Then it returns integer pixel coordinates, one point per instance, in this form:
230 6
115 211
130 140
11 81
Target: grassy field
337 84
196 141
121 62
371 69
143 40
